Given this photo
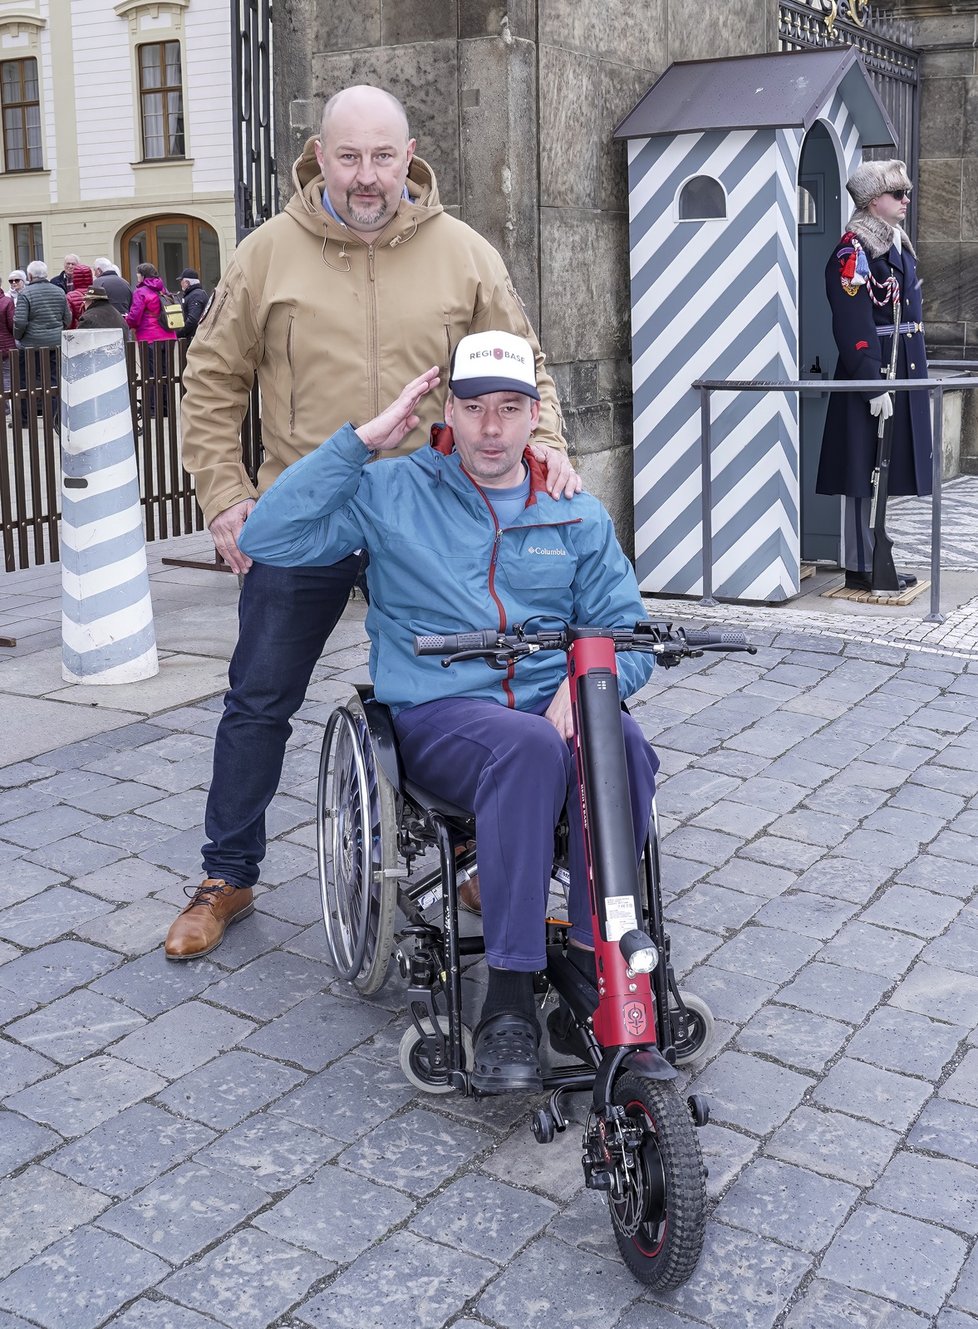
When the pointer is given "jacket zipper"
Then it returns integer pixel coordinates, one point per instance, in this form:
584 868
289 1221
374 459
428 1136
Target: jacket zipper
212 318
291 360
373 354
543 525
510 668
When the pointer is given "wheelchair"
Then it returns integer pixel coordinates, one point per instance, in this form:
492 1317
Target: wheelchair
391 856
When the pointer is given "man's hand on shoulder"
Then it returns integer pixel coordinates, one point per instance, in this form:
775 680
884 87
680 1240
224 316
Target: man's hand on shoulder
562 479
392 426
225 529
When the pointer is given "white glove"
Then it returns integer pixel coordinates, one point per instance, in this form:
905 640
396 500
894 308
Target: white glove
882 406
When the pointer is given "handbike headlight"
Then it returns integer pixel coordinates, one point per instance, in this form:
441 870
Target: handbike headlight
639 951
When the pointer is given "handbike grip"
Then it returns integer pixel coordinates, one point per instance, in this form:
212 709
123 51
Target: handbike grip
454 642
715 637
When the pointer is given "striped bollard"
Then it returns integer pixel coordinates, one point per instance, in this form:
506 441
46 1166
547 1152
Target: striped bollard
106 612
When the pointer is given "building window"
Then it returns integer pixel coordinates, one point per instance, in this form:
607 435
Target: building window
810 210
28 243
21 104
702 199
161 100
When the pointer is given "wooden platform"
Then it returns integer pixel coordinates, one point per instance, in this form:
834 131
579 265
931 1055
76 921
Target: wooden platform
807 570
867 598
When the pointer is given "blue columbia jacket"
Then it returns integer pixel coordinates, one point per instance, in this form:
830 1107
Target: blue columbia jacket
440 563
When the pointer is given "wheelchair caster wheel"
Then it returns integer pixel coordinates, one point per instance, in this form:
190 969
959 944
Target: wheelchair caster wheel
416 1061
542 1125
693 1041
699 1109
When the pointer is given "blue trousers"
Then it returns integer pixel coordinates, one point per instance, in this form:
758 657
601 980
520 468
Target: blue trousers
514 772
858 539
284 618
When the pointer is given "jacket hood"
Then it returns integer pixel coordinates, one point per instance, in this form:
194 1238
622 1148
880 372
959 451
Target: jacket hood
154 283
306 204
81 278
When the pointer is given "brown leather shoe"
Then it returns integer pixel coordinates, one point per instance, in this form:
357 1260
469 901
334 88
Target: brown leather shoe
214 906
468 894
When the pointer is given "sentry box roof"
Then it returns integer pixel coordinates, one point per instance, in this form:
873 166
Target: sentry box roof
780 90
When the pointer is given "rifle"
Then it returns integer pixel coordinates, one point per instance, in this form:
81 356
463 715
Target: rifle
884 576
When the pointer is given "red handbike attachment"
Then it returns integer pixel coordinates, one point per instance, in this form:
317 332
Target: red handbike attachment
640 1143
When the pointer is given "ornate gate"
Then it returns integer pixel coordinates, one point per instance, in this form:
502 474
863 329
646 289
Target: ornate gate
881 41
256 176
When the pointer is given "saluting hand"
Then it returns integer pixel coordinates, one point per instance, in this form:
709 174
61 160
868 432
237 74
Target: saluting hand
392 426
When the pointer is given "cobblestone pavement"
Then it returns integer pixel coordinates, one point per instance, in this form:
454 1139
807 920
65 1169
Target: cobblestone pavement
231 1143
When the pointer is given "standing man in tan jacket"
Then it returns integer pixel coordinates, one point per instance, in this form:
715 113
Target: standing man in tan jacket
363 282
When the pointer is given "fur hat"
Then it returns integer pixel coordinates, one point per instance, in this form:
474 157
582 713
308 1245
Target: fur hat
874 178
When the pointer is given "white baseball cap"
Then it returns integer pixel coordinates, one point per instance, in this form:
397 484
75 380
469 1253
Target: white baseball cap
493 362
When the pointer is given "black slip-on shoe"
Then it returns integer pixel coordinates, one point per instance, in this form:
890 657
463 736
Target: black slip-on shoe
506 1060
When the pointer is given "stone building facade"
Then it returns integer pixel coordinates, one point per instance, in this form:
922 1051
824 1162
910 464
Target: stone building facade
946 34
514 105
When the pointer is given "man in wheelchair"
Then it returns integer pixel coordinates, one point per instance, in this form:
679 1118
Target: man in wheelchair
462 534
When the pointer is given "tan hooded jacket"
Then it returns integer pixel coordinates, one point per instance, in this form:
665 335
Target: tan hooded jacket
334 328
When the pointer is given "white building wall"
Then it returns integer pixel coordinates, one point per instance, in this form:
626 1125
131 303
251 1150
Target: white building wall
46 71
207 94
104 111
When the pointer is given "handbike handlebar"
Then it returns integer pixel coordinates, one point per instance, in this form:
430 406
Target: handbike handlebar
661 639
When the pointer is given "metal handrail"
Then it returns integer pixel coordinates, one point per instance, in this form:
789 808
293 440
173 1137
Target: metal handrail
935 387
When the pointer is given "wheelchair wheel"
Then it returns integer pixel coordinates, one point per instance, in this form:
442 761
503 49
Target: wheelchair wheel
658 1197
416 1062
698 1035
356 840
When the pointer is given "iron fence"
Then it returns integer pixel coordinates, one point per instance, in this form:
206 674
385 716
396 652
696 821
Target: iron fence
883 43
30 449
256 179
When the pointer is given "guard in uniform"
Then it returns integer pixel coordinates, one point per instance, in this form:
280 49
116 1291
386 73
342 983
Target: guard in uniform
874 263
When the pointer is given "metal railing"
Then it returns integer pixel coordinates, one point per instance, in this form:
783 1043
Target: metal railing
935 388
30 449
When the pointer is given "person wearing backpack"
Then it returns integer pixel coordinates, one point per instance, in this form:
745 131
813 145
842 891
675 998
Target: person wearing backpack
148 322
146 315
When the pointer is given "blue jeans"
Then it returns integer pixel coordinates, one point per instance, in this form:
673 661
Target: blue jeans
285 616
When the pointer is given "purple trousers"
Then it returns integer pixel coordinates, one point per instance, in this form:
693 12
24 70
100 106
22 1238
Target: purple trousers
514 772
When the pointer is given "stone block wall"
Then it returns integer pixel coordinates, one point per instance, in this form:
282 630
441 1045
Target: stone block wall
514 102
947 38
947 198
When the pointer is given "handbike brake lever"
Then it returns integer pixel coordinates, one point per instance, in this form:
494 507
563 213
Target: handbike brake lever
494 659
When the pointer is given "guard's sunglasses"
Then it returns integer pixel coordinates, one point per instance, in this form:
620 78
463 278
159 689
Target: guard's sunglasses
898 193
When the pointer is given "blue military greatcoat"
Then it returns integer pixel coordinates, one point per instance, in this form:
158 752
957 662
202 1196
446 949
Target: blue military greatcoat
860 293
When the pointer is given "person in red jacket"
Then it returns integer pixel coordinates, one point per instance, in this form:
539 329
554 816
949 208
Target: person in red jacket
81 277
144 316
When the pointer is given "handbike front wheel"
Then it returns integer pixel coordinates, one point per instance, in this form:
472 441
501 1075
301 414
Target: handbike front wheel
658 1199
356 844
